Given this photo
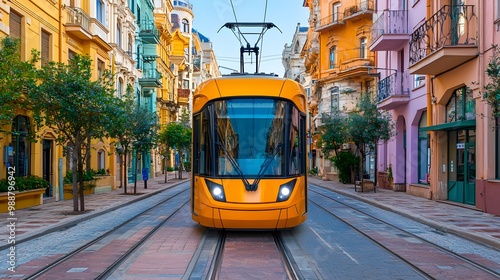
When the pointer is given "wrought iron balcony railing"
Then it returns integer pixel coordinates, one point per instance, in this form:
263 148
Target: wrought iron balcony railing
452 25
392 85
362 7
390 22
335 18
77 16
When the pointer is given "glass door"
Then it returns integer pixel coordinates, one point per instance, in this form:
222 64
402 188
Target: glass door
470 174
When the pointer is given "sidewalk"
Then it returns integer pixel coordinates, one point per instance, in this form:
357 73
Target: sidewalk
54 215
460 220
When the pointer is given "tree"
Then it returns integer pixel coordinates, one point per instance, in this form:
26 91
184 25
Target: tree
367 126
17 77
145 132
491 92
135 129
333 132
176 135
76 107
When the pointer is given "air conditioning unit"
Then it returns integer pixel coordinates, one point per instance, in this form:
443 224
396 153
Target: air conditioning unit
346 146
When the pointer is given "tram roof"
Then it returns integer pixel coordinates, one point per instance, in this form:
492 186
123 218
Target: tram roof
248 85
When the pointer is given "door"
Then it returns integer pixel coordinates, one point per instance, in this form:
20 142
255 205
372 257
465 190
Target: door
47 166
458 13
470 174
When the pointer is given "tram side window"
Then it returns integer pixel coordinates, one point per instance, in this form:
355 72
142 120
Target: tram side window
295 162
202 152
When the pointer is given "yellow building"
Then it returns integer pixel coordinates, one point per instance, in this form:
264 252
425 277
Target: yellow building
339 62
59 30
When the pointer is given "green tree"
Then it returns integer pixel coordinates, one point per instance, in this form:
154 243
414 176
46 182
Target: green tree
333 132
76 107
491 93
17 77
367 125
176 135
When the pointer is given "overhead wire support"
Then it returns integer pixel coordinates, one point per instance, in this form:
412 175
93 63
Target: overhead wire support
236 27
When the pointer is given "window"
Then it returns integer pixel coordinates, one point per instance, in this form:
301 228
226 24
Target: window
333 57
185 25
45 48
100 68
71 54
21 145
335 12
424 158
130 47
363 52
418 81
461 106
119 90
100 10
119 34
101 159
15 25
334 99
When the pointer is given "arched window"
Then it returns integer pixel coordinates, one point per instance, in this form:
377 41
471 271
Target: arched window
362 48
119 34
21 145
185 25
424 158
460 106
119 90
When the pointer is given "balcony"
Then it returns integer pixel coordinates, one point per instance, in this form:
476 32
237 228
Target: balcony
335 19
148 32
391 93
390 31
444 41
183 96
352 63
183 4
78 23
362 9
150 78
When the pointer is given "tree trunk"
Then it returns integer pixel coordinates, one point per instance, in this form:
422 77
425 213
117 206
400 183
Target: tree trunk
75 179
125 173
180 164
80 174
135 173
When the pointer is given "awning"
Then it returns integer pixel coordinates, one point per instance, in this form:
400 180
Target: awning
468 124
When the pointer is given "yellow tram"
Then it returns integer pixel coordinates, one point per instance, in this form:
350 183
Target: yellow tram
249 153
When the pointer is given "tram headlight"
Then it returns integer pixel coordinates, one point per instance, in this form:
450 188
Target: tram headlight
216 190
285 191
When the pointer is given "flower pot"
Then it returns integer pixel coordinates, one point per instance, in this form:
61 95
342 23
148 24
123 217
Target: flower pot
24 199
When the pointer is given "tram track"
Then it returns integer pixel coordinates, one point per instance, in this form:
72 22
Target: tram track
125 252
238 252
364 222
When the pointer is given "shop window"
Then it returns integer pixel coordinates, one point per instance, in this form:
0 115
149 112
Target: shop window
461 106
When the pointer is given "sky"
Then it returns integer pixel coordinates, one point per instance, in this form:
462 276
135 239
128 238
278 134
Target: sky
211 15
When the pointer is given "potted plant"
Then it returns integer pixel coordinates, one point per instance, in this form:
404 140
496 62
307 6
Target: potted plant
28 191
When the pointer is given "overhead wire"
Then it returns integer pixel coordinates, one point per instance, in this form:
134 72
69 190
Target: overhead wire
236 20
263 28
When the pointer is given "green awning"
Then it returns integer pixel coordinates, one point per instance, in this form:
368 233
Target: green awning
468 124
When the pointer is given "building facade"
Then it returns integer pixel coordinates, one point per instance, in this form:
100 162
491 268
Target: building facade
339 62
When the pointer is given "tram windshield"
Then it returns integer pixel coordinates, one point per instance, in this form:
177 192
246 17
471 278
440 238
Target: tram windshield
250 136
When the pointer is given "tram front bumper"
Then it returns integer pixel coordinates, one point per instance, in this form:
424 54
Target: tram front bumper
278 218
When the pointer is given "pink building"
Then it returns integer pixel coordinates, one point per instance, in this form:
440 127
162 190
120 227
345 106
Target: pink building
432 75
